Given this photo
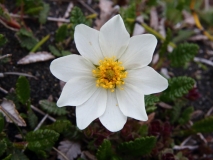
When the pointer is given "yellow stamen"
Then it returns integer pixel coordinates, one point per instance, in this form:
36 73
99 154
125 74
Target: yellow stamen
110 74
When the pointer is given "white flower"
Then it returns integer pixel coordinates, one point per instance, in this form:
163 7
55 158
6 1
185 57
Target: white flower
111 77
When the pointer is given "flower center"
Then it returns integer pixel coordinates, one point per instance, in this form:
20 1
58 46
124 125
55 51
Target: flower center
109 73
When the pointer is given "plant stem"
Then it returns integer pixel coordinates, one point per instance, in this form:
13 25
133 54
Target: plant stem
158 35
40 43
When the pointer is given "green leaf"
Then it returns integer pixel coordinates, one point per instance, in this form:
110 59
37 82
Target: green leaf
23 89
1 122
18 155
54 51
77 17
44 13
150 102
8 157
175 113
204 125
41 139
59 126
182 54
26 38
3 40
65 53
32 119
183 35
52 108
185 116
138 147
3 146
61 33
178 87
34 10
104 151
129 16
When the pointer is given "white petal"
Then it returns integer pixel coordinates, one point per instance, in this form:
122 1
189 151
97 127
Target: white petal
147 80
139 52
113 37
77 91
113 119
87 43
131 102
67 67
91 109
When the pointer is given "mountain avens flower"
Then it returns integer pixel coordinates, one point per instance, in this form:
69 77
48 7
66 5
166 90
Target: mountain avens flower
110 78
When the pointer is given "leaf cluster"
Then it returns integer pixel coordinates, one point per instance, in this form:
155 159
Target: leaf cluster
26 38
67 30
35 8
138 147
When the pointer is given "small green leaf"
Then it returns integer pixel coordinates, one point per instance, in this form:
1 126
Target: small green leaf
204 125
59 126
32 119
178 87
3 146
8 157
44 13
128 14
183 35
18 155
52 108
151 100
41 139
65 53
185 116
104 151
54 51
23 89
138 147
3 40
61 33
182 54
34 10
26 38
1 122
175 113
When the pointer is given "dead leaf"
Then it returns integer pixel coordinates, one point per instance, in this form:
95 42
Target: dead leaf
8 109
154 18
199 37
36 57
70 149
161 27
188 18
107 11
196 114
164 105
150 119
88 155
138 29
